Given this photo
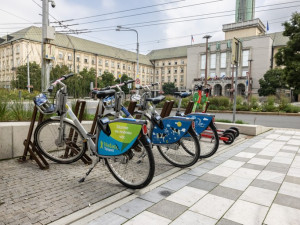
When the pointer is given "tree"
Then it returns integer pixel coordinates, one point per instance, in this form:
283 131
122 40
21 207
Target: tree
107 79
35 77
169 88
273 79
123 79
289 56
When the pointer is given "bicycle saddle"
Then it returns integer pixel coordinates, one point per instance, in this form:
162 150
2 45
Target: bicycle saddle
105 93
156 100
182 94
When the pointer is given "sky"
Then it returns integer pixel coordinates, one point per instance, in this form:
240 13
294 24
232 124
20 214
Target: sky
159 23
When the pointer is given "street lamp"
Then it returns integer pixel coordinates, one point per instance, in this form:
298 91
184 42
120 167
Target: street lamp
206 37
120 28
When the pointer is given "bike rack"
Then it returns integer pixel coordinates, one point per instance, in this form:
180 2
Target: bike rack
29 145
169 109
131 107
79 111
164 109
189 108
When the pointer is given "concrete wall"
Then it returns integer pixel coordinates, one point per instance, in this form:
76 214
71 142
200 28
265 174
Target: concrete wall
12 136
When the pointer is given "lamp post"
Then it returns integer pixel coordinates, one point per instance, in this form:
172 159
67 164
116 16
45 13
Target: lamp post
120 28
206 37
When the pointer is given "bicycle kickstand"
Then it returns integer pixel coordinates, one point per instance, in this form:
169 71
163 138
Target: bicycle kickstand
90 170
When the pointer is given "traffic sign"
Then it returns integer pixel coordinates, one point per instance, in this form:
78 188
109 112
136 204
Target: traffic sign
137 81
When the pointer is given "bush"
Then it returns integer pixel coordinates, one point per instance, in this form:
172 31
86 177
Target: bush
219 102
254 103
168 98
3 110
269 105
19 112
292 109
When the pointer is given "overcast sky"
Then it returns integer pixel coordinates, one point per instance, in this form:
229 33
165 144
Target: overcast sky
210 15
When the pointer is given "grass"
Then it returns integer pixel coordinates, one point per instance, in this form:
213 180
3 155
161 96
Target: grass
229 121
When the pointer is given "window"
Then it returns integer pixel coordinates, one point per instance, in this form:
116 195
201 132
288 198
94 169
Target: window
78 69
182 62
118 66
112 64
129 67
78 58
212 75
245 58
163 63
70 67
222 74
169 63
162 71
93 61
157 72
244 73
223 60
181 70
202 75
18 61
106 63
181 78
157 64
175 78
18 49
169 71
175 62
60 55
175 70
86 60
157 79
99 72
213 61
169 79
162 79
70 57
203 61
100 62
124 66
143 70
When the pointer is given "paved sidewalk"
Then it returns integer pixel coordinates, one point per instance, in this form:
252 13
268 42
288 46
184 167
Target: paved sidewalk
256 182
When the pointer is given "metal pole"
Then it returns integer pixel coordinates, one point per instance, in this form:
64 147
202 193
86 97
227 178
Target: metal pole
45 62
137 54
28 74
206 37
235 80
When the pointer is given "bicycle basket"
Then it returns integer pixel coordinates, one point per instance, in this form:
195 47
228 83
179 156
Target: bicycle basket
44 106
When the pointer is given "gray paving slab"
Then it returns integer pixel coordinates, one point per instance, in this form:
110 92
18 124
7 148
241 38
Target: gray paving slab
209 165
291 179
277 167
213 178
176 184
265 184
132 208
157 194
287 200
242 159
226 192
253 166
264 157
187 177
108 218
203 184
252 150
227 222
167 209
198 171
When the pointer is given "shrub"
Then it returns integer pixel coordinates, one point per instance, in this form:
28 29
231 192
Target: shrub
3 110
269 105
254 103
219 102
292 109
19 112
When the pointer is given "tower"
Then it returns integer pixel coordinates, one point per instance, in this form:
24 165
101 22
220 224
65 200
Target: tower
245 23
244 10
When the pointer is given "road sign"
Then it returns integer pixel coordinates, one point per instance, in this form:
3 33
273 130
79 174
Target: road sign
119 75
137 81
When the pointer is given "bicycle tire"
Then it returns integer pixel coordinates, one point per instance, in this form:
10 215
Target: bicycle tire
128 170
185 157
230 138
209 146
237 131
72 149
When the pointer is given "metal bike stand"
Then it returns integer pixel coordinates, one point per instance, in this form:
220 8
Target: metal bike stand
131 107
29 145
169 109
164 109
189 108
79 111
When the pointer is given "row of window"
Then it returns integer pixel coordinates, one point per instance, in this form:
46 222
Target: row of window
223 74
169 79
223 60
7 66
8 51
169 63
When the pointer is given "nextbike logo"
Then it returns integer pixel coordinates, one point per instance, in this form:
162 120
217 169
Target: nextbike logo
108 146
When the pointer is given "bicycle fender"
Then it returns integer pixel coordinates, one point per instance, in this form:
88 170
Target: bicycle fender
65 119
174 128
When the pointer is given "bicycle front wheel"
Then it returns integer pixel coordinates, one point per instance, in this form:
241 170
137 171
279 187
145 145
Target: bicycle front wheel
209 141
135 168
65 148
184 153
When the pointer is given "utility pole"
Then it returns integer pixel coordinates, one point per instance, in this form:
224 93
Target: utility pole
28 74
48 34
236 48
206 37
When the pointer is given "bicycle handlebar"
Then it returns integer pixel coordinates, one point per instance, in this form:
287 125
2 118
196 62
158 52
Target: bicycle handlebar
154 84
64 77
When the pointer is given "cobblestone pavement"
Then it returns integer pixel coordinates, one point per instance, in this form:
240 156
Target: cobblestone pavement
255 182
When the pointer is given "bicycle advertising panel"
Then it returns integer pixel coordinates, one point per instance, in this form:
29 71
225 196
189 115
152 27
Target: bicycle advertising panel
202 121
173 129
123 135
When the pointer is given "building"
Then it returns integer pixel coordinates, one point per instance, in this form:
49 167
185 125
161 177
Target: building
183 65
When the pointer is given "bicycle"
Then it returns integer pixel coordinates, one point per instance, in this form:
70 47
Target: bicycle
173 136
65 140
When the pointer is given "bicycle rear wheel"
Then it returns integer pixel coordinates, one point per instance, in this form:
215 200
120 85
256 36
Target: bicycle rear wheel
69 150
135 168
209 141
184 153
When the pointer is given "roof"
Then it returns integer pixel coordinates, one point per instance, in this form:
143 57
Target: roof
166 53
279 39
67 41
